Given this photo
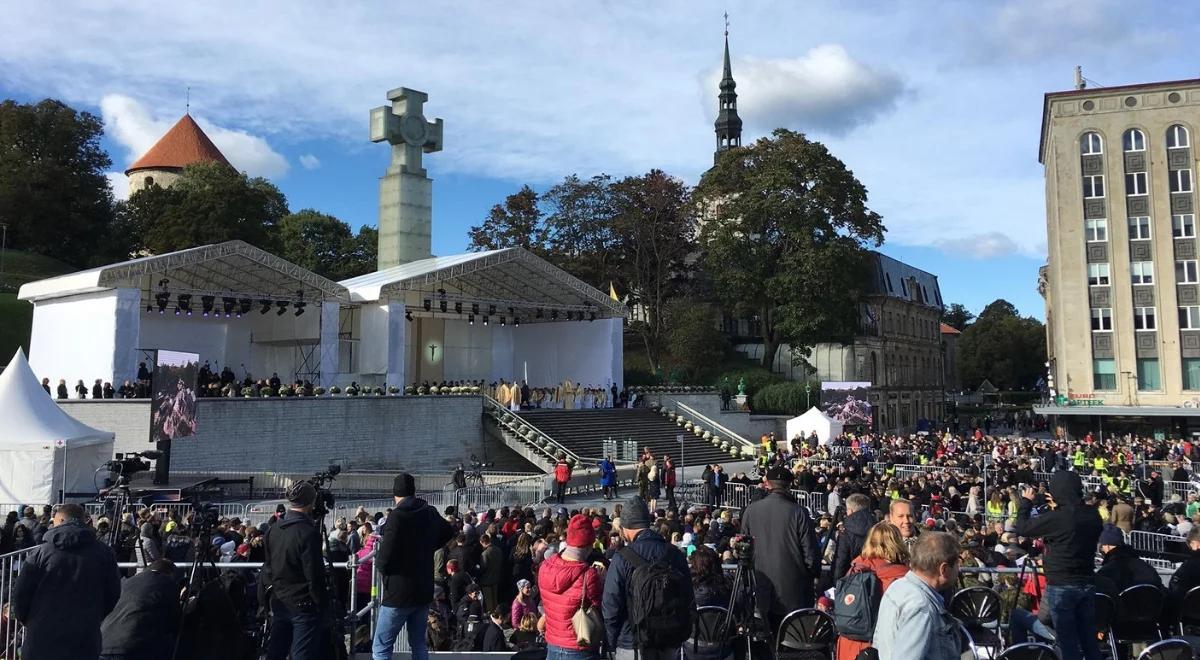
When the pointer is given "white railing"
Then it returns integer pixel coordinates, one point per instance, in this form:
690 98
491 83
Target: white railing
366 483
518 492
521 427
712 426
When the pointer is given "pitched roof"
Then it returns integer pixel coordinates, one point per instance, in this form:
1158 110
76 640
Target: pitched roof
950 330
183 145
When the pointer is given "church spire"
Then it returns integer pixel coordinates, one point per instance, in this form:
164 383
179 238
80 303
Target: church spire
728 125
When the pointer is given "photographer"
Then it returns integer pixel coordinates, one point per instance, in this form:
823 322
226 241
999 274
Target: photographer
294 574
1071 531
787 562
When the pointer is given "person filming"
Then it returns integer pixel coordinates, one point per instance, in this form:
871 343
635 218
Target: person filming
294 575
1071 530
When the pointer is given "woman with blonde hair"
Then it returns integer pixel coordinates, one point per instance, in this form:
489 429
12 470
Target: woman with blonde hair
885 555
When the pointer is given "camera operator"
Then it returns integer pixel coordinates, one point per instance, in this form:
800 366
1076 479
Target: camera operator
294 574
787 563
1071 530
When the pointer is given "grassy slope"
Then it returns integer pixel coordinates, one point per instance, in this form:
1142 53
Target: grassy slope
16 316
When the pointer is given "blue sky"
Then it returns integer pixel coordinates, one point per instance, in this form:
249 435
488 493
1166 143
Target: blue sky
934 105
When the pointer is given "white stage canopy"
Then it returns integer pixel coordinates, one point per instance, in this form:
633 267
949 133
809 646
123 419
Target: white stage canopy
43 450
814 420
96 323
542 324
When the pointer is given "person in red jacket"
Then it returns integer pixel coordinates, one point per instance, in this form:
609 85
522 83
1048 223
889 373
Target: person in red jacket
562 474
567 581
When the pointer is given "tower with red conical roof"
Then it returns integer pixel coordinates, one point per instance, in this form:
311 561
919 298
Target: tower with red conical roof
181 146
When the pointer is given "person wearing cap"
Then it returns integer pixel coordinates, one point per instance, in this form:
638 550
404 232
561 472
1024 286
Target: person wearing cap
294 577
1121 564
413 531
566 582
648 546
523 604
786 559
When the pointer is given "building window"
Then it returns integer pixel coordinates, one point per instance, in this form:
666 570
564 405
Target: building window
1093 186
1148 377
1135 140
1189 317
889 282
1143 318
903 287
1191 373
1181 181
1135 183
1142 272
1101 319
1104 374
1090 144
1183 225
1185 272
1098 275
1177 136
1096 230
1139 228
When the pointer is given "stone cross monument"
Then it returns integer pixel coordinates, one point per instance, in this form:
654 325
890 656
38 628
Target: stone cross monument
405 193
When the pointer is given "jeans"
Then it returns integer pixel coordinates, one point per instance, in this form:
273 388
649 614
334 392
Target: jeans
301 633
560 491
559 653
1073 609
387 628
1022 623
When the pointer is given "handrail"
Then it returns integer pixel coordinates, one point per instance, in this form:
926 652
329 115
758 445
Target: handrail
495 406
713 426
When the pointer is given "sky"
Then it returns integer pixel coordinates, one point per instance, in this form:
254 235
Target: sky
935 106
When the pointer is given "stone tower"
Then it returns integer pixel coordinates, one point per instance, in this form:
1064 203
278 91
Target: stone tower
179 147
728 124
405 192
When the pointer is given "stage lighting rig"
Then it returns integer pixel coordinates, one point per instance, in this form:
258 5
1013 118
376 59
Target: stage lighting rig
502 322
475 308
206 304
458 308
539 313
299 305
485 320
162 299
442 306
491 310
184 303
428 305
516 322
266 306
470 319
283 305
244 306
227 304
408 315
554 315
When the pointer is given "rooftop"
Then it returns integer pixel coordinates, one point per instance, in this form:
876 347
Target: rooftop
183 145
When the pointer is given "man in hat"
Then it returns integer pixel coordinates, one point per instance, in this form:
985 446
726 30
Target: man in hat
1121 564
294 574
413 531
786 558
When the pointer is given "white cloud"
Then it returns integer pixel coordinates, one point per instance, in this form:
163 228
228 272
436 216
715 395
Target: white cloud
824 89
987 245
309 161
119 184
132 126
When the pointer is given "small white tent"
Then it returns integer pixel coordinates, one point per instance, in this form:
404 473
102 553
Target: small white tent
825 426
43 450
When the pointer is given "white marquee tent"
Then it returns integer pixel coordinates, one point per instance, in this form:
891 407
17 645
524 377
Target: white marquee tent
814 420
43 450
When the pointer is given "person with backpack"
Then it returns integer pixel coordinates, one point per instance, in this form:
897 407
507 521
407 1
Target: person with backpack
913 623
649 602
884 559
569 584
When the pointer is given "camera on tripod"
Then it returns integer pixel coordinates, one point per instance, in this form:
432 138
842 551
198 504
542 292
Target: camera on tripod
742 547
126 465
324 503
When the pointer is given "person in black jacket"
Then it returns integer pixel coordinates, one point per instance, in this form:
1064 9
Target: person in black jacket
1121 564
65 589
1071 530
855 528
492 638
1186 577
787 563
294 574
491 572
412 532
145 621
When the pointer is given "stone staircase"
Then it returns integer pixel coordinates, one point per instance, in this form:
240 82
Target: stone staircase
583 433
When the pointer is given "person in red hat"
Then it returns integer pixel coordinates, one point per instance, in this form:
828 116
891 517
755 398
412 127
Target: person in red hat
567 582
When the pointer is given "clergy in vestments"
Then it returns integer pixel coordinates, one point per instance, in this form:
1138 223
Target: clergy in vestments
568 390
514 397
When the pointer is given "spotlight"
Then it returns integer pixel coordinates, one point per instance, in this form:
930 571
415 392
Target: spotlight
511 312
176 310
244 305
299 305
485 320
492 310
554 315
149 308
570 315
185 303
428 304
593 318
282 304
266 306
502 321
516 322
408 315
539 313
442 306
470 319
458 308
206 304
474 308
227 304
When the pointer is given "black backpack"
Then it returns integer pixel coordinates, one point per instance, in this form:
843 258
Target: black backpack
856 604
657 603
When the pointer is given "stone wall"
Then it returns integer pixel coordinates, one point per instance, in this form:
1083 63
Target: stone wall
708 404
419 433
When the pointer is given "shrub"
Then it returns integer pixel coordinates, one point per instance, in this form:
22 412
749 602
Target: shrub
318 390
247 391
756 379
783 399
335 390
393 390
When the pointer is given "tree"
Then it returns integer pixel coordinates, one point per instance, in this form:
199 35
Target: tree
785 228
695 343
957 316
515 223
208 203
54 196
1003 347
578 230
326 246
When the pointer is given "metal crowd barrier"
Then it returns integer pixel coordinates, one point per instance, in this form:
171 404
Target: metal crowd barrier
524 492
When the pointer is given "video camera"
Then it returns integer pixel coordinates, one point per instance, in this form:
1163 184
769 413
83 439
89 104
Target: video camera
742 547
325 500
205 517
127 465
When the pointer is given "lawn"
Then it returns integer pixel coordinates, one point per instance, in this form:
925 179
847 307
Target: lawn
16 316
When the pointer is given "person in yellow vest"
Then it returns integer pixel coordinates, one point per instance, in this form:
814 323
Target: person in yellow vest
995 507
1080 460
1100 464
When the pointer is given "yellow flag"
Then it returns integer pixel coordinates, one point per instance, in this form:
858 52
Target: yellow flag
612 292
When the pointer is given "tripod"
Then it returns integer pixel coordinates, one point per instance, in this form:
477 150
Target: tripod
743 590
335 622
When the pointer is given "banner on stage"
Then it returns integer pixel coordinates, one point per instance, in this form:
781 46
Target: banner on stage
847 401
173 403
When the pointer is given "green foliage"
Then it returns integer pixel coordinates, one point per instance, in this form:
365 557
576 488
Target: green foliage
695 343
785 398
54 195
640 377
515 223
579 232
16 318
20 267
209 203
957 316
326 246
786 225
757 378
1003 347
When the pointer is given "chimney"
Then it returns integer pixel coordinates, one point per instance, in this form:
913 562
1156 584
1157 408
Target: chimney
1079 81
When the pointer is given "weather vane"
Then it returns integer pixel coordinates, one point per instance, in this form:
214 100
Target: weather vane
727 24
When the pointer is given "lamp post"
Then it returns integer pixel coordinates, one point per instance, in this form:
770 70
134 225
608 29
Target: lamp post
807 397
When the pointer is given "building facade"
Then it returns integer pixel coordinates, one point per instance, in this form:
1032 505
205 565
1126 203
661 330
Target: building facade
1122 282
